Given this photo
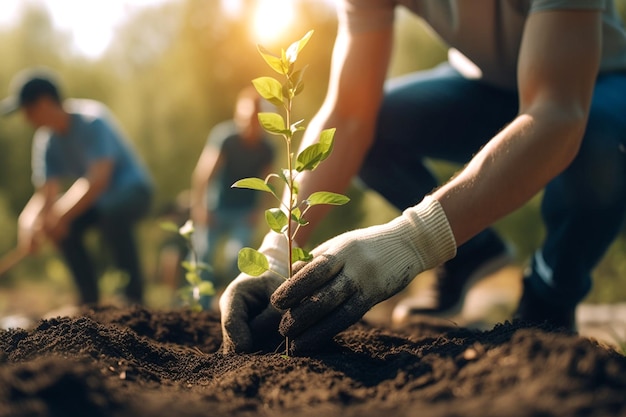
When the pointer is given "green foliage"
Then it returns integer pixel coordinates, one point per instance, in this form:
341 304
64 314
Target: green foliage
173 71
196 287
289 216
252 262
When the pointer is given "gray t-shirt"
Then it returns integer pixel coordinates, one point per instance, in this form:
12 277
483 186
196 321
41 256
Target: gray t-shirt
484 36
241 160
93 135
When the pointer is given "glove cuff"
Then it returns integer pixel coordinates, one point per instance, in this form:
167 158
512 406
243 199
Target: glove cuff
274 247
433 237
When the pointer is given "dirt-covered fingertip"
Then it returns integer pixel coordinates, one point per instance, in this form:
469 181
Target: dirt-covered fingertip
237 337
302 347
285 328
305 282
280 298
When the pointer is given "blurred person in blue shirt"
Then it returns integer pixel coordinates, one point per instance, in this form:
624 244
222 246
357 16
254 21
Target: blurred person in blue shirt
85 175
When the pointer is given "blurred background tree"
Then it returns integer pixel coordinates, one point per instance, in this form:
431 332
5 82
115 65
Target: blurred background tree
172 71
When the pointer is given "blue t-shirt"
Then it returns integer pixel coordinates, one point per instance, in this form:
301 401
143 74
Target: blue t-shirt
93 135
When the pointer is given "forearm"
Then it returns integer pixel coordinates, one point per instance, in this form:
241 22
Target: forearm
209 163
197 201
81 195
509 170
32 211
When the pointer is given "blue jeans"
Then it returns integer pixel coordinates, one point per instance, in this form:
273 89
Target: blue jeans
233 226
115 222
440 114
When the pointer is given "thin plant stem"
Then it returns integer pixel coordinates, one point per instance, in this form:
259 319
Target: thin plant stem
288 138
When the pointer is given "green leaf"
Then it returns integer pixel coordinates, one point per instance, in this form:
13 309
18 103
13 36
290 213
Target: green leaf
296 216
287 66
169 226
273 123
276 219
204 266
310 157
297 81
270 89
188 266
283 174
327 139
295 48
272 60
313 154
287 91
326 197
252 262
193 278
206 288
299 254
255 184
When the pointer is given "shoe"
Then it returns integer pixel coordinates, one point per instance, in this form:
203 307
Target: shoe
455 278
537 311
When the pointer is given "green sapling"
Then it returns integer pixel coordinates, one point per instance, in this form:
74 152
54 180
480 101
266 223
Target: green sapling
281 95
289 216
196 288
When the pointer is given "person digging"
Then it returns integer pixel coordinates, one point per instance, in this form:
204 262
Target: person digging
531 99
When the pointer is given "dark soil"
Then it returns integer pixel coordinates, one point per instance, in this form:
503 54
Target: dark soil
138 362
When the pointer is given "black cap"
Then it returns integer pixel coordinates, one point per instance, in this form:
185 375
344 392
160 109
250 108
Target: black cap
27 87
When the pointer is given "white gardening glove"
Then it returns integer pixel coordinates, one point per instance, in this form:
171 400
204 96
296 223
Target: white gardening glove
354 271
248 319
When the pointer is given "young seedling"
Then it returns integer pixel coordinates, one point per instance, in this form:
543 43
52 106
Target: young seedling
196 287
289 216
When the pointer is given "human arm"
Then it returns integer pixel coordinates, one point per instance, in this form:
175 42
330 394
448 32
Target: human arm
31 220
358 71
208 164
558 64
78 198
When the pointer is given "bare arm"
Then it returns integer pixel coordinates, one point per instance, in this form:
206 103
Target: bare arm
31 220
83 193
208 165
41 201
558 64
358 71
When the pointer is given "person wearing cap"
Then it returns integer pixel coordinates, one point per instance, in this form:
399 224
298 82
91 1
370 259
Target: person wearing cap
531 99
78 143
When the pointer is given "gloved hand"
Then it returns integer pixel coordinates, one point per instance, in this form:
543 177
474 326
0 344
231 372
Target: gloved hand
247 315
354 271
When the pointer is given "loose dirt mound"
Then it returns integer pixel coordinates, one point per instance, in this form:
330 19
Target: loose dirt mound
137 362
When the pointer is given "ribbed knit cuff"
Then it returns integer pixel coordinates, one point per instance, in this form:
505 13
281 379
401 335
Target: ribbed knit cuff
432 235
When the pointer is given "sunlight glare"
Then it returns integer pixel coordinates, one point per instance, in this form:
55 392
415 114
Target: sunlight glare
91 24
272 18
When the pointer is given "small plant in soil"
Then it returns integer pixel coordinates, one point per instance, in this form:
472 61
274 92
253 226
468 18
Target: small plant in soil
289 216
196 287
